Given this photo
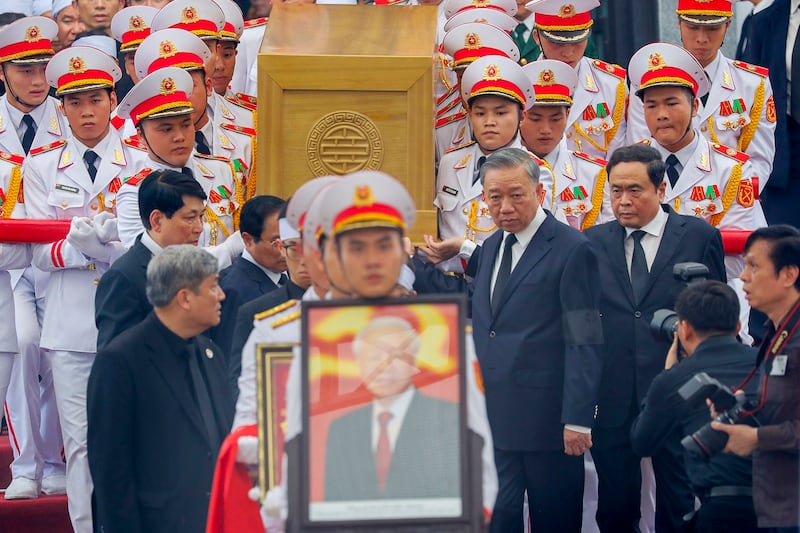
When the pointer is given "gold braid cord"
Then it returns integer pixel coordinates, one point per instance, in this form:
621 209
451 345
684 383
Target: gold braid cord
597 200
714 138
731 190
472 222
13 192
214 221
619 108
252 176
444 64
239 195
749 131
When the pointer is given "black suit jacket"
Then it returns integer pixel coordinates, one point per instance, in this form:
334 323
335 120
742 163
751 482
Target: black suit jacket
540 354
151 459
766 46
121 301
424 461
242 282
244 321
666 416
633 356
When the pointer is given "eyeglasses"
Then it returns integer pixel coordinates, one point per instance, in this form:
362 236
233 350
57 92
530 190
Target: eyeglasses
291 251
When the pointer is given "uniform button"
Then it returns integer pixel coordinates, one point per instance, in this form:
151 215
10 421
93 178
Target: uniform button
64 204
704 128
638 314
96 281
465 211
492 334
569 135
94 207
523 61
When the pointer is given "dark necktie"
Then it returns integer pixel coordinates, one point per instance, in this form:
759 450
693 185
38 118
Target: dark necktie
503 273
186 171
672 169
795 88
383 452
639 272
200 143
518 34
90 158
30 133
283 281
203 398
477 175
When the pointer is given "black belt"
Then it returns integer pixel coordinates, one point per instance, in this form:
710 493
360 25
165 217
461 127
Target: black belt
730 490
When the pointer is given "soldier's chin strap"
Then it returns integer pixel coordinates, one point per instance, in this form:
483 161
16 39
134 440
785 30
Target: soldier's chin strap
13 93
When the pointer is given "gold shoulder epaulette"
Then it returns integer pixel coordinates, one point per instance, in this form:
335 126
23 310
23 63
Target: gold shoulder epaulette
755 69
285 320
239 129
733 153
47 147
12 158
592 159
256 22
214 157
135 142
610 68
539 161
453 149
275 310
247 98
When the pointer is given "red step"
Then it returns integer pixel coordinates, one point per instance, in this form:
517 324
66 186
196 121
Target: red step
46 514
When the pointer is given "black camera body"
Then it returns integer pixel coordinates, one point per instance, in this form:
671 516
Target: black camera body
707 442
665 321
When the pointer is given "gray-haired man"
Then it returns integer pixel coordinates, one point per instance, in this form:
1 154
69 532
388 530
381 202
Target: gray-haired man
159 403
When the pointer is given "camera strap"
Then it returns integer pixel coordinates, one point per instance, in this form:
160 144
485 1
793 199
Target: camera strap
767 351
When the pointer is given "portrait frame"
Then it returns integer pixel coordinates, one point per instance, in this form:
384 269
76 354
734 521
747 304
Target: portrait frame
440 378
272 372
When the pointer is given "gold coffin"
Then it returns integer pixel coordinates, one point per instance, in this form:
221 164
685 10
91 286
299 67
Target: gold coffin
344 88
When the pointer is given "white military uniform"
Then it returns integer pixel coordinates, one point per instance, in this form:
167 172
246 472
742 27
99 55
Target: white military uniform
580 196
222 110
245 72
596 124
739 112
285 328
214 174
30 401
237 144
463 211
453 127
58 187
716 184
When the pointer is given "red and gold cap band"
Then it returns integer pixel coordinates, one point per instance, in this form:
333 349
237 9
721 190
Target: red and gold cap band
368 216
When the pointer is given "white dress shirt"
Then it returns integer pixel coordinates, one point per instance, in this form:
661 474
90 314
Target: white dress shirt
398 409
275 277
523 239
654 230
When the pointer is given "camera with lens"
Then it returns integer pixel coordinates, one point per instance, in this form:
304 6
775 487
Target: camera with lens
665 321
707 442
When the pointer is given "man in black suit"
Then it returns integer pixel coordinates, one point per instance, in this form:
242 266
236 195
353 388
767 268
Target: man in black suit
171 209
159 404
769 42
415 452
637 253
297 284
260 269
537 335
708 313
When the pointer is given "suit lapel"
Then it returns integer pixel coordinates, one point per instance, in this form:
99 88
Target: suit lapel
616 255
535 252
669 246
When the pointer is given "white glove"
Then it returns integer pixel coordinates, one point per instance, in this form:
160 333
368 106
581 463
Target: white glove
235 245
273 510
105 225
247 452
83 237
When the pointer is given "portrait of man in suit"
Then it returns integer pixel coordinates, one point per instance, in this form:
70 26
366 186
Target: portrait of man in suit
403 444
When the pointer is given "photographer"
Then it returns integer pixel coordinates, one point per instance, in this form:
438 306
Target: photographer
708 319
772 284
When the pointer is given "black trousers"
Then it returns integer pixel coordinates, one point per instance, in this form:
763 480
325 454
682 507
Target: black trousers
726 514
554 482
619 483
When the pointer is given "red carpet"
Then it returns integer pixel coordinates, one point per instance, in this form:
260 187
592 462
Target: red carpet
47 514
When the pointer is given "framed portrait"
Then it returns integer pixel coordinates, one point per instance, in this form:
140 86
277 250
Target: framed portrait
385 439
272 374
